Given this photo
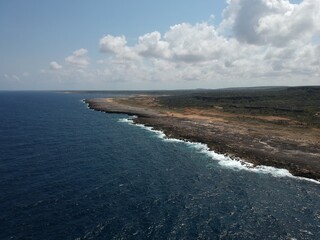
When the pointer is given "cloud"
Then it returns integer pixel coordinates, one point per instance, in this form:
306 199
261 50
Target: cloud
182 43
194 43
111 44
78 59
15 77
100 61
151 45
55 66
116 46
258 42
274 22
11 77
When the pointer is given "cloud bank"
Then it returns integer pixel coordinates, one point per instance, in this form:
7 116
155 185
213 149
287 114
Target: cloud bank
258 42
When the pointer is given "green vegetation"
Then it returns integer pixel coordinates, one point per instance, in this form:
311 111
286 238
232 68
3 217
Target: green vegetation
298 103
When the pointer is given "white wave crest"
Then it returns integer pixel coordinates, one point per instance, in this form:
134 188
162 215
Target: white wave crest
87 104
125 120
223 160
128 120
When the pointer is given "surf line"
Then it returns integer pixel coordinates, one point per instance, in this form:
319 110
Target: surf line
236 164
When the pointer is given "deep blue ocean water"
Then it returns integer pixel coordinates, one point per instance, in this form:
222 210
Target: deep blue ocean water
67 172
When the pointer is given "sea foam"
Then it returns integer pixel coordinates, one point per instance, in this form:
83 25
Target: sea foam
87 104
222 159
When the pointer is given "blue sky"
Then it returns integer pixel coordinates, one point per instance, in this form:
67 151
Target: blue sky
44 29
61 44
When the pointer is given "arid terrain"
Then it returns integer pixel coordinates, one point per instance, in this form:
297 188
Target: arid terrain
286 140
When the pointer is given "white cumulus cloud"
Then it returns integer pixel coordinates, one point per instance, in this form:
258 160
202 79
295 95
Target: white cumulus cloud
78 58
111 44
151 45
116 46
275 22
55 66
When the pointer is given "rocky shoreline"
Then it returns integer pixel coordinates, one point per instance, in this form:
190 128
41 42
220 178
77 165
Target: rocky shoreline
235 139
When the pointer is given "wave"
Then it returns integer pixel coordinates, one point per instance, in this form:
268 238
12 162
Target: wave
126 120
87 104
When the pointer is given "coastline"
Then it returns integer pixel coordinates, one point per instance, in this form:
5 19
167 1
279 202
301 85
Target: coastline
232 138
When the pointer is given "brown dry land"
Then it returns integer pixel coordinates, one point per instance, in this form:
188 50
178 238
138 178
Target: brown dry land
257 139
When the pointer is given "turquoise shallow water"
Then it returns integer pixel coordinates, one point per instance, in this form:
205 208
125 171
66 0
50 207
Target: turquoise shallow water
67 172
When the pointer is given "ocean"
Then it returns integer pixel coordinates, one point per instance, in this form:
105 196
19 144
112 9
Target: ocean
68 172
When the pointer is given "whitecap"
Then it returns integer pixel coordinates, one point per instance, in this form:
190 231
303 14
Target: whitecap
173 140
125 120
128 120
87 104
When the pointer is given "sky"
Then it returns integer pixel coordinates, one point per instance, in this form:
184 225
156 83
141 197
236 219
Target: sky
143 44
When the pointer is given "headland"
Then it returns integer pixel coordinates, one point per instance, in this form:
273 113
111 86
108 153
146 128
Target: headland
264 126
